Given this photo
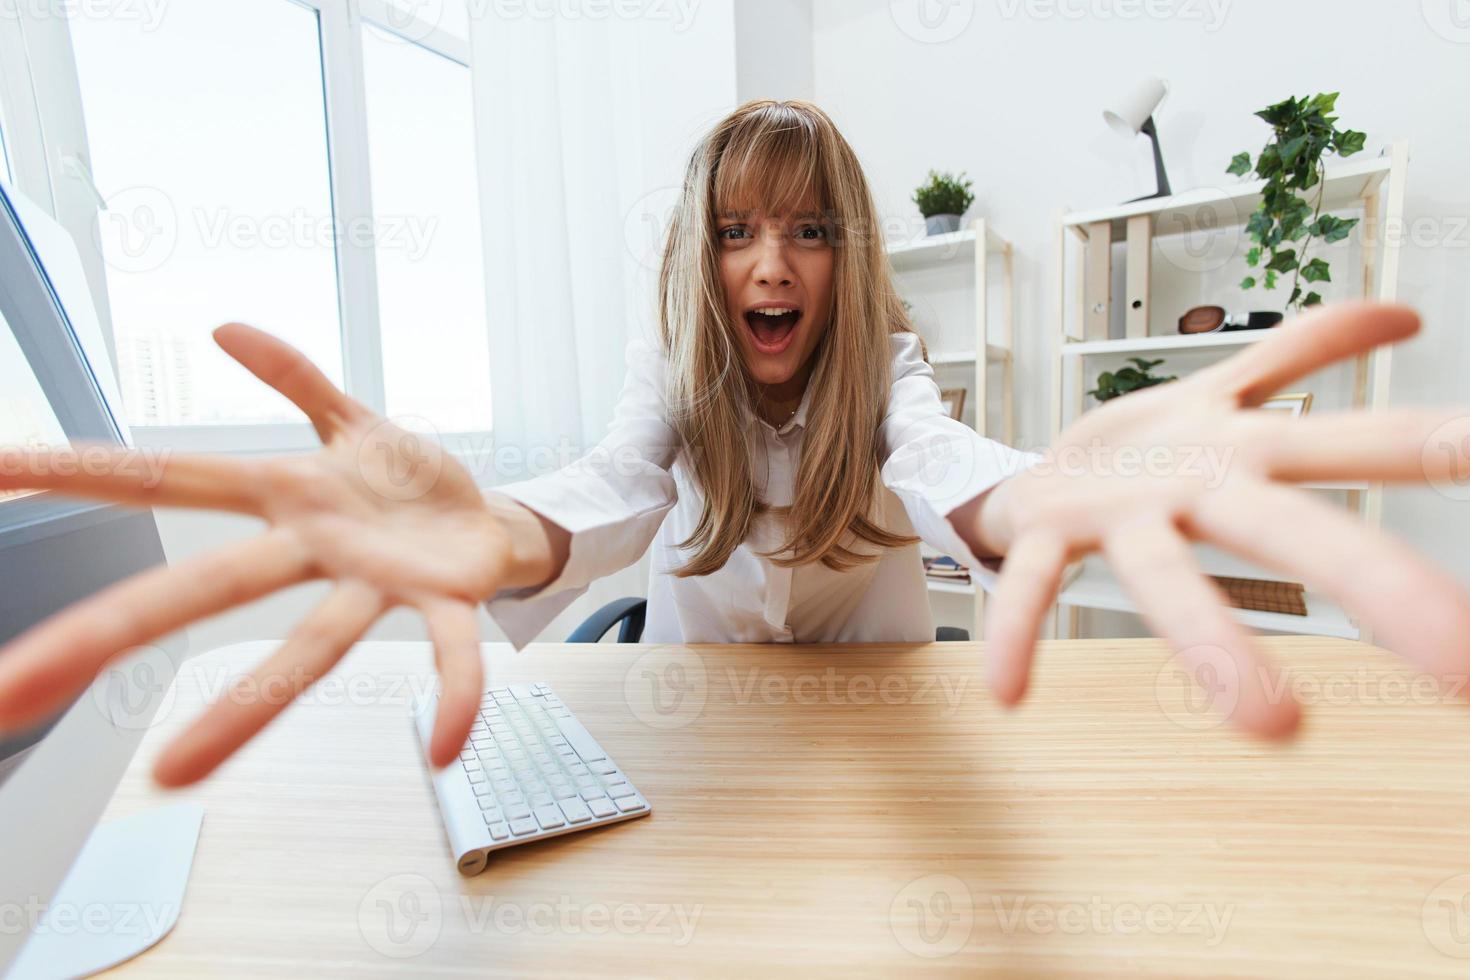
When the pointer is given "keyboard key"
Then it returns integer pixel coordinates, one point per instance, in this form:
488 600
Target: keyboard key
631 804
521 692
593 793
575 811
517 811
602 767
523 827
499 831
602 807
550 817
564 793
541 799
488 803
620 791
476 777
481 789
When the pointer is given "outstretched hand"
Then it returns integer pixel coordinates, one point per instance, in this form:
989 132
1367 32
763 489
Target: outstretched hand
1214 472
386 515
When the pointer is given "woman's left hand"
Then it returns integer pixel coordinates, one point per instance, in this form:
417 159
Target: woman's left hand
1139 477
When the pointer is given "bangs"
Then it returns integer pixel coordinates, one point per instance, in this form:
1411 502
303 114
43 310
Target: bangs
771 163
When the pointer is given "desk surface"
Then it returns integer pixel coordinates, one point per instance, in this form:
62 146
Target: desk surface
853 809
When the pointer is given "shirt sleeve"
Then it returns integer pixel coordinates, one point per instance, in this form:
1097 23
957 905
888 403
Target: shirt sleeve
934 463
612 500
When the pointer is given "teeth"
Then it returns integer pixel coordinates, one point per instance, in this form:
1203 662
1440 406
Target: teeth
776 311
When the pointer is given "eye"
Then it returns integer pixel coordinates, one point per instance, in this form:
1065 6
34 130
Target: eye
732 233
812 233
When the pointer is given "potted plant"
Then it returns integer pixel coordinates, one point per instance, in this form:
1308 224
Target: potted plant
942 199
1111 384
1302 132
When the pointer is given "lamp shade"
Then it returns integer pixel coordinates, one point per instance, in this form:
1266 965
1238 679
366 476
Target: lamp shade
1128 113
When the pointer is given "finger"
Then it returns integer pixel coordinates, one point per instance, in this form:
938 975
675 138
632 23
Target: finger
1413 607
1407 445
456 636
312 649
288 371
1306 344
54 660
132 476
1156 566
1029 581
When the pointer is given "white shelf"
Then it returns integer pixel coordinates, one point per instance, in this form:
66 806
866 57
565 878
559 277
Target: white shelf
933 249
952 588
1211 208
1167 342
993 352
1096 588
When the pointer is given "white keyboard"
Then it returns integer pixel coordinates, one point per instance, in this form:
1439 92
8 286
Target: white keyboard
530 771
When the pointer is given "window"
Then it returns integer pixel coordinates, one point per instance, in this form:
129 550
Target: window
5 155
430 259
219 199
26 417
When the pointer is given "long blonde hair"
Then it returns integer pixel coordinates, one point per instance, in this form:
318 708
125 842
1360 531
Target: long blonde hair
774 156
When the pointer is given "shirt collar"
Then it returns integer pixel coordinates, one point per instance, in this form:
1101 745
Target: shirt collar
797 421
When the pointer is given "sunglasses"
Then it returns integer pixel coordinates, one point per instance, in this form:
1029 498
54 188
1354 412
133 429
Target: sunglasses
1208 319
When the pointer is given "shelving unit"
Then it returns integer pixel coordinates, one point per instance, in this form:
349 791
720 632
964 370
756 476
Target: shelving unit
972 248
1373 187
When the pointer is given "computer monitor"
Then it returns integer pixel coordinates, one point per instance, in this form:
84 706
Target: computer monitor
56 779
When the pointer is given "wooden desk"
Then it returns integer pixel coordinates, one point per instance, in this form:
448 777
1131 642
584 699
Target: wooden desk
858 810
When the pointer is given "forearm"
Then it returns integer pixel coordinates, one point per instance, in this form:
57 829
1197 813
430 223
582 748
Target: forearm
982 523
539 548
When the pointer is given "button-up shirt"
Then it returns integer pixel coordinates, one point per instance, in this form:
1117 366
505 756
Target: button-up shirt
635 488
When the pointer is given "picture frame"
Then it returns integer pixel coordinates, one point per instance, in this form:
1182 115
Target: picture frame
953 400
1297 403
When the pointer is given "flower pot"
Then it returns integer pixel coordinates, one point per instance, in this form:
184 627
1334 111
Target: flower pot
941 224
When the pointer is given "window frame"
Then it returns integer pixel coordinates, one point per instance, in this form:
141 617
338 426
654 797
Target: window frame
69 193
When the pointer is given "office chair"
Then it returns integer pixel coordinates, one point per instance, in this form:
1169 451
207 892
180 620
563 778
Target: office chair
628 615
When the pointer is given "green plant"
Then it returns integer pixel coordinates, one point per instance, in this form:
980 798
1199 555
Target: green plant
1302 132
1111 384
944 194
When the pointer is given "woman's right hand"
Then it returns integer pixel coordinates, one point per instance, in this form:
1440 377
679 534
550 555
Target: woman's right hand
386 514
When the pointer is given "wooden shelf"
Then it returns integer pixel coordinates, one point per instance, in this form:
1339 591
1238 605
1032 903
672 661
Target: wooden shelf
935 249
1166 342
1210 208
1096 588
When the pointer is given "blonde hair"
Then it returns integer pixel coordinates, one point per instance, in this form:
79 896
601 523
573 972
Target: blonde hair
774 156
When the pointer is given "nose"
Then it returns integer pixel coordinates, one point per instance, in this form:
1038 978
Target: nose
771 265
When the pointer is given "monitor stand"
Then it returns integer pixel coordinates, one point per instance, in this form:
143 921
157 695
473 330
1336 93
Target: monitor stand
121 896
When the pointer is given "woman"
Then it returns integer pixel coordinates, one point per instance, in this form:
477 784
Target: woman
784 441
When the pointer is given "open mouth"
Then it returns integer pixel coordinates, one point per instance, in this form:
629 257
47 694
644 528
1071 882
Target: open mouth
772 328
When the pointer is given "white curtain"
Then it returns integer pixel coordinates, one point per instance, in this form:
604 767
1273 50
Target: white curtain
583 128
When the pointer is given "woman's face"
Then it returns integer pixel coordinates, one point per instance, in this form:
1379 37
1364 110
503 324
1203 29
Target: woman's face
777 274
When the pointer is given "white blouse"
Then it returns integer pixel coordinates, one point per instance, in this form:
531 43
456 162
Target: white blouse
635 488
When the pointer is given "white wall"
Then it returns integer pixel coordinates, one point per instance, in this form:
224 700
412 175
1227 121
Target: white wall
1012 91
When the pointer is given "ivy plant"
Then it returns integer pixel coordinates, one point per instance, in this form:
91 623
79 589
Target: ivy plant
1111 384
944 194
1283 227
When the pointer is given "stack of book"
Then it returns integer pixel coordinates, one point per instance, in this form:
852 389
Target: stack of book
942 568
